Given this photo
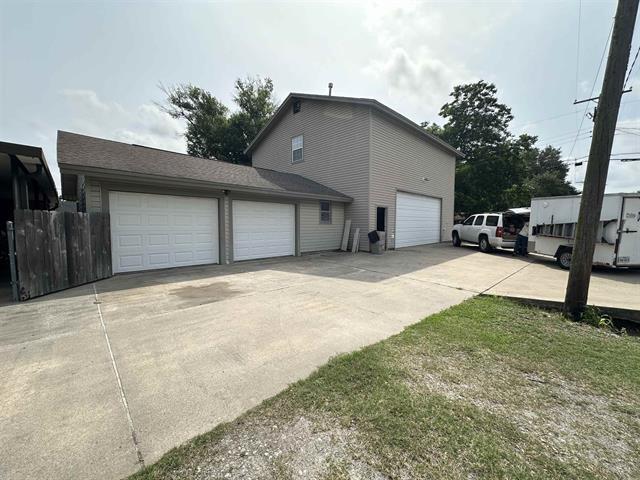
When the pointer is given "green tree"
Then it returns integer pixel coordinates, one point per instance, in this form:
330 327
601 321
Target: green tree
477 124
498 171
545 174
212 131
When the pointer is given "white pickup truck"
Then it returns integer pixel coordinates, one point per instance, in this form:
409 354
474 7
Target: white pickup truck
489 230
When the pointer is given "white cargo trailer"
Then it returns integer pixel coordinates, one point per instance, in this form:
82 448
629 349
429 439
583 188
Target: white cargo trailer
552 229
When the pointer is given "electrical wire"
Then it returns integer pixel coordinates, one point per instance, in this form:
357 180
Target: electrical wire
578 45
542 120
631 69
593 87
626 132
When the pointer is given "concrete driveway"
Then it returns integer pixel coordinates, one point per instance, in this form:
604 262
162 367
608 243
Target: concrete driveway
100 379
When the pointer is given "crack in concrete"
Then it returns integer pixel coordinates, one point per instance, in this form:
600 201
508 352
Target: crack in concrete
123 397
506 278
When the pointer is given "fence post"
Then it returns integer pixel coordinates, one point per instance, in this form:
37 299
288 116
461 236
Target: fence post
11 238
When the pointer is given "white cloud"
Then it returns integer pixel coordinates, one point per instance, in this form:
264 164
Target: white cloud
85 99
422 77
145 125
420 51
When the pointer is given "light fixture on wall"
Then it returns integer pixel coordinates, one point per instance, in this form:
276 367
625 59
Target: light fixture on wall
425 179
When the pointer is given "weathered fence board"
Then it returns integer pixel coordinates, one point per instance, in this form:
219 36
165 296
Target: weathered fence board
58 250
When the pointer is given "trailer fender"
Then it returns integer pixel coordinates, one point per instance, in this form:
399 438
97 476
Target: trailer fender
563 248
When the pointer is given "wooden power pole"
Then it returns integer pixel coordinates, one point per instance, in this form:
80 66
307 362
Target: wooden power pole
596 177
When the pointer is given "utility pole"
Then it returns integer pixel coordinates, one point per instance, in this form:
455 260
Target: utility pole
596 176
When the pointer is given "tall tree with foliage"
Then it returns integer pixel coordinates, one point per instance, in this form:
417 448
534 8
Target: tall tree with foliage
477 124
498 170
213 131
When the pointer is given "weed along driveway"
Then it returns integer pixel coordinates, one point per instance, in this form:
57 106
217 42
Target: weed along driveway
104 378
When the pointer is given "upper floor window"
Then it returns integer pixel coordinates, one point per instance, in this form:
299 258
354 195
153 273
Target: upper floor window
325 211
296 149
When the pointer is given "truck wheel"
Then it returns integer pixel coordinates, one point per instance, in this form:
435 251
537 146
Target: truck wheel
455 239
485 246
564 259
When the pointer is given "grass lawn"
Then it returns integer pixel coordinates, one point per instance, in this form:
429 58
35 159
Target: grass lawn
486 389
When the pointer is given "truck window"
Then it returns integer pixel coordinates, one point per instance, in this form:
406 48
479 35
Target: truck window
479 220
492 220
469 220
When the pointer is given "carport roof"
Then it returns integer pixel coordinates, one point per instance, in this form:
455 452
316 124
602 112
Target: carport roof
84 154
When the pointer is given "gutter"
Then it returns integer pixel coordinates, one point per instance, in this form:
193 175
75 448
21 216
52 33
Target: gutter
123 175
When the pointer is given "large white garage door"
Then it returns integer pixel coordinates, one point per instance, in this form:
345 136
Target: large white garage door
263 229
160 231
417 220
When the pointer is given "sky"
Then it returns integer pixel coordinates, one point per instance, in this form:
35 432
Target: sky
95 67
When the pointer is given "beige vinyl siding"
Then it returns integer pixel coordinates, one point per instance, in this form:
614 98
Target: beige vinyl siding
93 195
400 160
336 152
315 236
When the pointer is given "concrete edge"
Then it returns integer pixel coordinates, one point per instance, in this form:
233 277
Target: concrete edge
615 313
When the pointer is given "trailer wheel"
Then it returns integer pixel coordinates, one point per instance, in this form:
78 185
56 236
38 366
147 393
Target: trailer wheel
564 259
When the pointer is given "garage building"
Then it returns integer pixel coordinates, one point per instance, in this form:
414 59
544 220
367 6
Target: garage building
400 176
169 209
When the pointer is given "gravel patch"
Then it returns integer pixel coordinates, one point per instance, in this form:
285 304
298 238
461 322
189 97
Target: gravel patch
571 421
263 448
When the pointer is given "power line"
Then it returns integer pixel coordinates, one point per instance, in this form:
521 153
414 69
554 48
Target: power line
631 69
560 136
578 45
545 119
579 138
626 132
542 120
593 87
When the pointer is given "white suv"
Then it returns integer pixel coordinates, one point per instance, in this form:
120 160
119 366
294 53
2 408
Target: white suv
488 230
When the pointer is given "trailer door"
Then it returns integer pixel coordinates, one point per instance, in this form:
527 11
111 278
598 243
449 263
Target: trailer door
629 237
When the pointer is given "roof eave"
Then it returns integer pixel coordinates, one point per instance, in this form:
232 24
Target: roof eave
19 150
267 126
74 169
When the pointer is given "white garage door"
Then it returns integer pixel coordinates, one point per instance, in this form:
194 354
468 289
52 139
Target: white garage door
160 231
263 229
417 220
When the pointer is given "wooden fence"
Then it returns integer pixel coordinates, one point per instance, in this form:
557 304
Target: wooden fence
58 250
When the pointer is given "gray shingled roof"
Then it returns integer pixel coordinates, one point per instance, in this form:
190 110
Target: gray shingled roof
401 119
76 151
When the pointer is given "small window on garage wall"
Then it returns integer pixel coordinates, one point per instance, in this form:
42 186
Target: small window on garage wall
325 212
297 144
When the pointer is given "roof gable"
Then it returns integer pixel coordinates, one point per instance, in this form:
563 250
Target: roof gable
401 119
